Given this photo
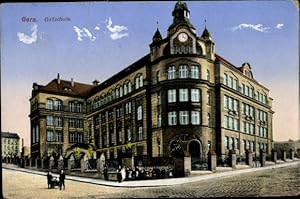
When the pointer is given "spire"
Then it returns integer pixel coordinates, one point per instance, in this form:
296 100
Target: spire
206 34
181 15
157 36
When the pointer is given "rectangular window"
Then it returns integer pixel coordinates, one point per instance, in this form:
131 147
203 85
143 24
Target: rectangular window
226 142
72 107
194 72
195 117
140 133
128 132
225 101
50 136
172 118
57 105
72 122
195 95
230 81
139 113
171 72
225 79
226 121
208 98
49 120
235 84
58 121
158 120
49 104
172 95
183 95
207 75
183 71
184 117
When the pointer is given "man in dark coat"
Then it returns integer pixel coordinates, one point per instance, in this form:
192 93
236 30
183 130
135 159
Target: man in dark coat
61 179
49 178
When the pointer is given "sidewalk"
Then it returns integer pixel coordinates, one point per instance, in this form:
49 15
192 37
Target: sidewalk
196 177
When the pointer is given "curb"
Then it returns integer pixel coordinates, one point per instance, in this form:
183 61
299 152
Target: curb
162 182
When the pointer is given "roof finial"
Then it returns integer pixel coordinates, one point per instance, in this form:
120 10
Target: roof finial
157 24
205 22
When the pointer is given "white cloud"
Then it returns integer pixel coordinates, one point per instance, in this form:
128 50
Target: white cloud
257 27
116 30
279 26
84 32
29 39
97 28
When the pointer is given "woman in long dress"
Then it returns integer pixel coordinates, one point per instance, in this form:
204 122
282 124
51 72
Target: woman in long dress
123 173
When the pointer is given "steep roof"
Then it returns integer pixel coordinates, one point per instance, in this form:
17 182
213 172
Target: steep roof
9 135
66 88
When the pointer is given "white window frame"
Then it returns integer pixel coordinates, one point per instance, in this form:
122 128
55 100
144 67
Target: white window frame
171 95
183 117
195 95
183 95
183 71
172 118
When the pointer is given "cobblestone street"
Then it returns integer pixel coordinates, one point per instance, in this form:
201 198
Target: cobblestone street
274 182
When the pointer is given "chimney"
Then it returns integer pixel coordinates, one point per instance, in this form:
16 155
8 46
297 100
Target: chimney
58 79
72 82
95 82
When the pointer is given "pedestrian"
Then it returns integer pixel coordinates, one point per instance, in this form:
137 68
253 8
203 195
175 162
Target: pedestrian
123 173
49 177
62 179
105 173
119 175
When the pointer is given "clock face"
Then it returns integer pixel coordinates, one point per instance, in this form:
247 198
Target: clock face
182 37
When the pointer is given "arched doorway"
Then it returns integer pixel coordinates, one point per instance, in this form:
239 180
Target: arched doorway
195 151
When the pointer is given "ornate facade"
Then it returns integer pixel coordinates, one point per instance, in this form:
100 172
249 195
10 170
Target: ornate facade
181 97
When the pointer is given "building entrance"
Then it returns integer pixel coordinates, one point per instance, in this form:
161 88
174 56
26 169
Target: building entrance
195 151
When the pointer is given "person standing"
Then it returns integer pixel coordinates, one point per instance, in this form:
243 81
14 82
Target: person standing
62 179
123 173
49 178
119 175
105 173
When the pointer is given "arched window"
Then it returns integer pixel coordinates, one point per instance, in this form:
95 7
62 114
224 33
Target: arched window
207 75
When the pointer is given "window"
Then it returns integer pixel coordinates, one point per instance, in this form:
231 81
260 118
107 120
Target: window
157 76
129 87
207 75
49 104
183 71
225 79
195 95
184 117
125 89
183 95
208 98
72 106
226 142
172 95
172 118
49 120
128 108
208 119
195 117
121 91
139 113
235 83
128 133
50 136
237 144
159 120
171 72
117 92
158 99
58 121
139 82
119 139
75 137
33 135
57 105
140 133
194 72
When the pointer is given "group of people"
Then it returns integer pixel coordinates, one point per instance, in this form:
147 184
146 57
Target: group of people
137 173
53 181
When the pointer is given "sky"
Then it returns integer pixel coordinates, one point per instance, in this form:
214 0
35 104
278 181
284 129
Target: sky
95 40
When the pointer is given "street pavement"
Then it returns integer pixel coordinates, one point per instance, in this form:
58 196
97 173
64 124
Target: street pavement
274 180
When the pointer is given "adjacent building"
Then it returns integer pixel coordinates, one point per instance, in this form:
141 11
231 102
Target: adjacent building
10 144
180 97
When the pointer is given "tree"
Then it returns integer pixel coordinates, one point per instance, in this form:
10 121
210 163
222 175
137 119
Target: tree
90 152
77 153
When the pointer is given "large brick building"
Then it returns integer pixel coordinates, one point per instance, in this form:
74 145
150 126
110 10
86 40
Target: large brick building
181 97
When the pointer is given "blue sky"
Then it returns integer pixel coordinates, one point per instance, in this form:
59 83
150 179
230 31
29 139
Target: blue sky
102 38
